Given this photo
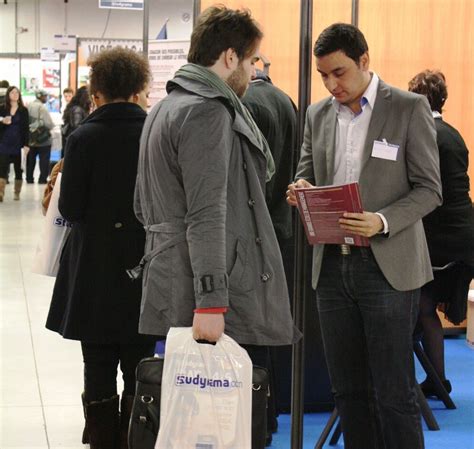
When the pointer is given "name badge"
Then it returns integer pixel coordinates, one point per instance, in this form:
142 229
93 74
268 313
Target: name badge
384 150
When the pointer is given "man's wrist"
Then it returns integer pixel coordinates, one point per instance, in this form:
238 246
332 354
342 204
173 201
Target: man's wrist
384 229
214 310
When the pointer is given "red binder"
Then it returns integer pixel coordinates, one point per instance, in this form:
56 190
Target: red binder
321 208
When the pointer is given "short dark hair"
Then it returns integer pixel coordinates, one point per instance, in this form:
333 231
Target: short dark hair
344 37
68 90
431 84
118 73
82 99
218 29
4 84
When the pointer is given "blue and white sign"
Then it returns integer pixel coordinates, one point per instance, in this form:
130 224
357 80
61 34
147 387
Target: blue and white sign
136 5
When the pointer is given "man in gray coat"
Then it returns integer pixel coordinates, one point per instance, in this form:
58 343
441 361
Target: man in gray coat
39 117
212 260
367 298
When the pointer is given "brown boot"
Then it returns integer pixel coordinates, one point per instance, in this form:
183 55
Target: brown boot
17 189
103 423
125 412
3 183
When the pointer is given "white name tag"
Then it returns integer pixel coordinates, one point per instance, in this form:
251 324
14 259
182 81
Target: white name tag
385 150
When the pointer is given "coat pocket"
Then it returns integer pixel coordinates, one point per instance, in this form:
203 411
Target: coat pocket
240 279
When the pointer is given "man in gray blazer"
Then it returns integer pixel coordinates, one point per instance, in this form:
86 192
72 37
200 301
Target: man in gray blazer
384 138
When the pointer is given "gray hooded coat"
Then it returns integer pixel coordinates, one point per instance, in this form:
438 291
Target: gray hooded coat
210 240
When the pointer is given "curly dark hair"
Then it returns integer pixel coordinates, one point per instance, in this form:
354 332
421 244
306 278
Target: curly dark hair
82 99
341 37
118 73
218 29
431 84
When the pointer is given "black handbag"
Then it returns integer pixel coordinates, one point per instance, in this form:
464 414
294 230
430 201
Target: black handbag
145 417
40 134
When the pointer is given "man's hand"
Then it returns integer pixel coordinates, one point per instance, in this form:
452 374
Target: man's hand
208 326
290 193
366 224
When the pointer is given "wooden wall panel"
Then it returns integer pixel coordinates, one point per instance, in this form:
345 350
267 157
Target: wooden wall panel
326 13
279 20
407 36
404 37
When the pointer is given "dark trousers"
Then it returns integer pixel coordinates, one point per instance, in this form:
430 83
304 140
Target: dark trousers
44 154
100 367
367 329
5 161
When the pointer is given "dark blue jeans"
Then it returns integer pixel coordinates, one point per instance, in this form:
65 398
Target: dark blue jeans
367 329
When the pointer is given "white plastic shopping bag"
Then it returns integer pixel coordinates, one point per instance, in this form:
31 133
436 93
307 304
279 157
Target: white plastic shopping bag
54 235
206 394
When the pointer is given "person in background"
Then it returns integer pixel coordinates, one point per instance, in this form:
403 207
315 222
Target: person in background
13 137
367 297
94 301
68 93
275 115
4 85
449 231
76 111
39 117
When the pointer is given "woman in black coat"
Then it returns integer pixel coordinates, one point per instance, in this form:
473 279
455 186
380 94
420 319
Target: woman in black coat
94 301
449 231
14 133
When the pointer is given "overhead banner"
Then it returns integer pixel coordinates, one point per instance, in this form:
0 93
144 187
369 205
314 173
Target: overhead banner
165 57
89 46
131 4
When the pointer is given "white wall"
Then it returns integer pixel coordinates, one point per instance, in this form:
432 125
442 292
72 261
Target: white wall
44 18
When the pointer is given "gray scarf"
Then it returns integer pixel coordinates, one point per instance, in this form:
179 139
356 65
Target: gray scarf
209 78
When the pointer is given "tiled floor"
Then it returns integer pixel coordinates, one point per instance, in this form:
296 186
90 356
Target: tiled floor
40 372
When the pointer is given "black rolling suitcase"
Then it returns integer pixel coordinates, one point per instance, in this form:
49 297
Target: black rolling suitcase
145 417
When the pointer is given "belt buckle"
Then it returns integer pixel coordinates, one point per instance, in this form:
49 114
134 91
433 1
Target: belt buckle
345 249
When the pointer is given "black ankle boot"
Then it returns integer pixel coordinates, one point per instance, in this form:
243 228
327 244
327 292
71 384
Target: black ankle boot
428 389
103 423
126 404
85 432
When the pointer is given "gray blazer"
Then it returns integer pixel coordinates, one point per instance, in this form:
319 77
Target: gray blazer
404 191
200 195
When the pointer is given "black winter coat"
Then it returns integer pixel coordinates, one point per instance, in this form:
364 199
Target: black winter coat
275 115
93 298
24 123
450 227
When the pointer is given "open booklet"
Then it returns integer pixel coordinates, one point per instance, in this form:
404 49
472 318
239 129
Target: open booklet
321 208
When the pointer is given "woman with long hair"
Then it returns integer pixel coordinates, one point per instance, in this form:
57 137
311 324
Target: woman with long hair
76 111
13 137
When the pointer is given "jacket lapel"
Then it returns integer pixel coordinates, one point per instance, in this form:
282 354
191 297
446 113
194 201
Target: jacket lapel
241 127
377 121
330 123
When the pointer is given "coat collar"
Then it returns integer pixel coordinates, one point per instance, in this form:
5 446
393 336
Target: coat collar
116 111
239 125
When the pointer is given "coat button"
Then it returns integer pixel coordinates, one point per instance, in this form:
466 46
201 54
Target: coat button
251 202
118 225
245 166
258 241
265 277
